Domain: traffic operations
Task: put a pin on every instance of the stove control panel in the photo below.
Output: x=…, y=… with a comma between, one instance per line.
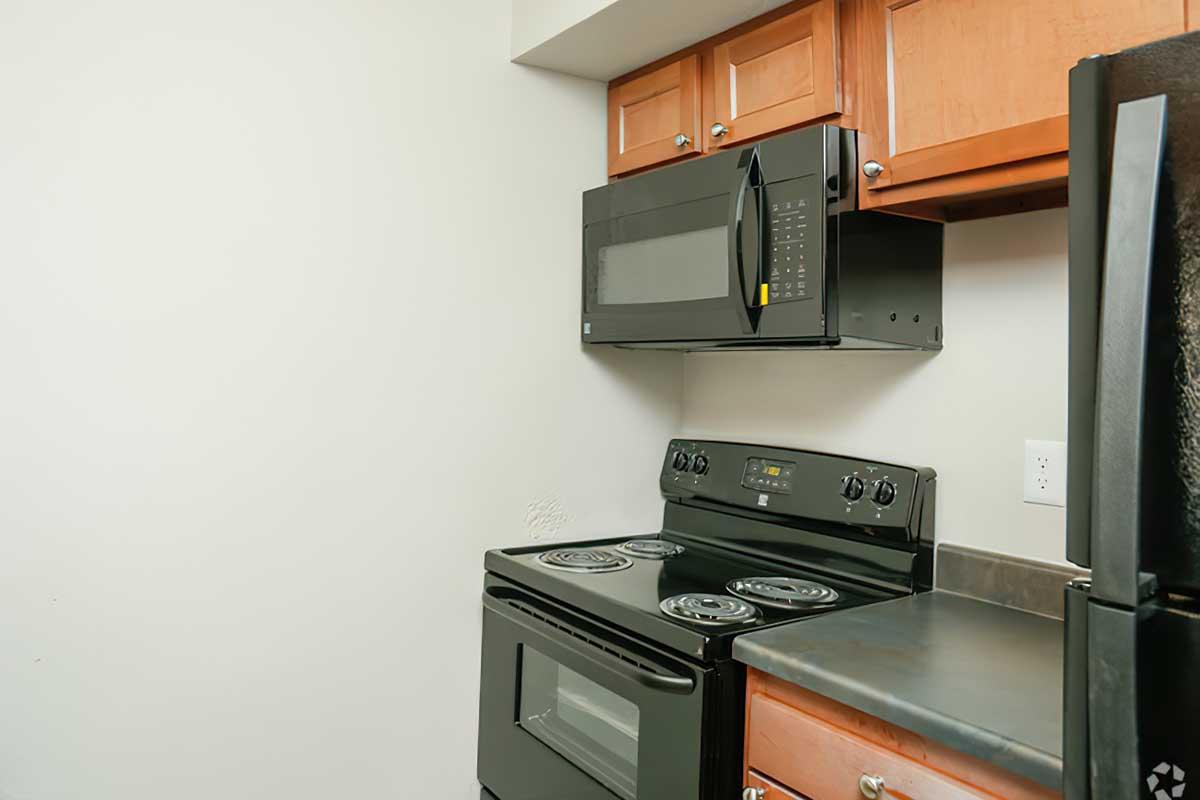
x=687, y=465
x=769, y=476
x=878, y=499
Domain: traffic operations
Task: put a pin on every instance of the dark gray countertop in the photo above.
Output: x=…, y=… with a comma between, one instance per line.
x=981, y=678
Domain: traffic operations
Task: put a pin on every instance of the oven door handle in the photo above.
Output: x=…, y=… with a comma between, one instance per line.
x=673, y=684
x=744, y=306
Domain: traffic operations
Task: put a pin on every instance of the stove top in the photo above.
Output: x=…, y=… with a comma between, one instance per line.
x=587, y=560
x=708, y=609
x=792, y=593
x=650, y=548
x=662, y=598
x=752, y=537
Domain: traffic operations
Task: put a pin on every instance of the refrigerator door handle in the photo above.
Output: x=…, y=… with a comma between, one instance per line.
x=1088, y=201
x=1120, y=394
x=1076, y=763
x=1114, y=766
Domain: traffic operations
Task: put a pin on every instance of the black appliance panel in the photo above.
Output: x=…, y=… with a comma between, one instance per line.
x=590, y=715
x=1130, y=704
x=888, y=282
x=789, y=281
x=887, y=500
x=1133, y=633
x=1169, y=530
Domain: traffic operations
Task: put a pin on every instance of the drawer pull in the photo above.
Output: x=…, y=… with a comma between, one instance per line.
x=872, y=787
x=753, y=793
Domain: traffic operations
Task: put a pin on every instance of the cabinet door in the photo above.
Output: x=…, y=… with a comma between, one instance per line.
x=966, y=96
x=782, y=74
x=654, y=118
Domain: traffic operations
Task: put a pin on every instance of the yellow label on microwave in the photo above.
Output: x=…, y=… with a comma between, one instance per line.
x=764, y=295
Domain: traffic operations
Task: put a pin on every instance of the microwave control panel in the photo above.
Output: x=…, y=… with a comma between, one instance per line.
x=794, y=216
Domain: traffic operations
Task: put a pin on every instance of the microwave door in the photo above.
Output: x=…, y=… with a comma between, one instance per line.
x=684, y=272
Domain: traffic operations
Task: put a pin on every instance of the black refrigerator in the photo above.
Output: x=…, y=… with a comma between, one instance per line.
x=1132, y=673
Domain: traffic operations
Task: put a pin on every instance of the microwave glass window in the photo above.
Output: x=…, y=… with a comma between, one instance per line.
x=593, y=728
x=667, y=269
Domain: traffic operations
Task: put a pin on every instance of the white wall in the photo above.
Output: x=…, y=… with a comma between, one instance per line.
x=965, y=412
x=288, y=338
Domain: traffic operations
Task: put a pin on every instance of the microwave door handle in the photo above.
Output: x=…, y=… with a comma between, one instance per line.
x=737, y=270
x=672, y=684
x=1124, y=335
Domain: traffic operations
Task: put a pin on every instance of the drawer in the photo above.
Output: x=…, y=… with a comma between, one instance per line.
x=825, y=762
x=770, y=789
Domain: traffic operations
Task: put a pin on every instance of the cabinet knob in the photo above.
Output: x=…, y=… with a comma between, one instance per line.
x=871, y=787
x=753, y=793
x=682, y=140
x=718, y=130
x=872, y=169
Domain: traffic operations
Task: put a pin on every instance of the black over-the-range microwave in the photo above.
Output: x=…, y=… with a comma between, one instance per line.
x=759, y=247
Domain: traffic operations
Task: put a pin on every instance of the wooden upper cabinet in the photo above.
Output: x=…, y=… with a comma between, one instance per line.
x=965, y=97
x=961, y=104
x=776, y=76
x=655, y=118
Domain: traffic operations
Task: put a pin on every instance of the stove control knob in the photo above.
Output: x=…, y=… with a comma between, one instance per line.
x=680, y=460
x=852, y=487
x=884, y=493
x=700, y=465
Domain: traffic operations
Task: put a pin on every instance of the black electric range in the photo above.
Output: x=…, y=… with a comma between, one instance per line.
x=607, y=669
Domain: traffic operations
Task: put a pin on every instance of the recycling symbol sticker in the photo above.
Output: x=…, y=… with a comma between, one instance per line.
x=1166, y=782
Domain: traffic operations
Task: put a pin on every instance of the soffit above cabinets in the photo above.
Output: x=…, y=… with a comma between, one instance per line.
x=601, y=39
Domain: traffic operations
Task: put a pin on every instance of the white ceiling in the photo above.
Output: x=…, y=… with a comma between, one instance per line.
x=601, y=39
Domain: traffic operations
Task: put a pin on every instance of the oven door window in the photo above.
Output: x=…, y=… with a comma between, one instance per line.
x=590, y=726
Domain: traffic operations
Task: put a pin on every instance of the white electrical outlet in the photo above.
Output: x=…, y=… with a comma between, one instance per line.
x=1045, y=472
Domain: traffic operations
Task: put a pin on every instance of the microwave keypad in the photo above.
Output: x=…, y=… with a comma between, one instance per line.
x=791, y=238
x=768, y=476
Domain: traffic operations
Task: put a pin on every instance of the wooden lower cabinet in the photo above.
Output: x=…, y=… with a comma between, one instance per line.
x=802, y=745
x=770, y=789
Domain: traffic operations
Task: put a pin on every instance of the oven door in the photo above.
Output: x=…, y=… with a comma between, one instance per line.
x=570, y=709
x=685, y=271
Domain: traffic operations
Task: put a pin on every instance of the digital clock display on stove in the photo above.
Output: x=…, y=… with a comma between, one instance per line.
x=764, y=475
